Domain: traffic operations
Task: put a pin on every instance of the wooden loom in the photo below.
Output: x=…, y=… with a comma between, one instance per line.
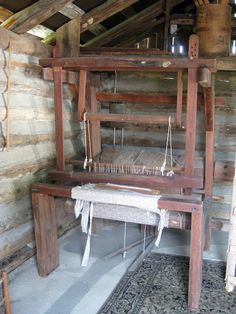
x=43, y=194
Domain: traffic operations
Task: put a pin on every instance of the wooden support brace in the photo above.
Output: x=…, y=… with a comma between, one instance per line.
x=58, y=98
x=191, y=119
x=179, y=98
x=95, y=125
x=82, y=94
x=209, y=122
x=5, y=292
x=45, y=227
x=68, y=38
x=195, y=263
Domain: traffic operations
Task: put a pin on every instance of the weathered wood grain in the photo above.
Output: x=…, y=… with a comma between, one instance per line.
x=33, y=15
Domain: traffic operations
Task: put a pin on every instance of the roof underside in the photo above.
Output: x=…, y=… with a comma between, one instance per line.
x=116, y=14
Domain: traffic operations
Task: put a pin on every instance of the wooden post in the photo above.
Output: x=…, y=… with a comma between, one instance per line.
x=209, y=104
x=95, y=125
x=167, y=25
x=59, y=127
x=68, y=38
x=82, y=94
x=195, y=263
x=45, y=226
x=179, y=98
x=5, y=292
x=191, y=118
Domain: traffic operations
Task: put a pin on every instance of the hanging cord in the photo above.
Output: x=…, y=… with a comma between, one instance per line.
x=168, y=143
x=124, y=242
x=144, y=238
x=115, y=82
x=89, y=142
x=85, y=141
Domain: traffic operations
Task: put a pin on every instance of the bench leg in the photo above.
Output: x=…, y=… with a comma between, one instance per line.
x=45, y=226
x=195, y=263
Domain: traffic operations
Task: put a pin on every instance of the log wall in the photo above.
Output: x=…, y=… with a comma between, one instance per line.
x=32, y=147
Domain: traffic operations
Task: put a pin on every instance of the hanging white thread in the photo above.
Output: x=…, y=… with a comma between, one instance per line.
x=163, y=223
x=124, y=243
x=89, y=142
x=85, y=141
x=168, y=143
x=144, y=238
x=115, y=83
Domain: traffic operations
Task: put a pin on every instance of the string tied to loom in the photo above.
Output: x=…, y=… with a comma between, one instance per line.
x=85, y=140
x=86, y=127
x=168, y=144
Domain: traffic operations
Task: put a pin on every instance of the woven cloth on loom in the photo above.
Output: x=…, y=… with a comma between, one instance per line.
x=117, y=195
x=89, y=194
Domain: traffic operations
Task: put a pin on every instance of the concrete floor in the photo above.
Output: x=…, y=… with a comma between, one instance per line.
x=82, y=290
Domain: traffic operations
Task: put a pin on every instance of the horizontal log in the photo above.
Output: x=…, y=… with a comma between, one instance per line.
x=21, y=44
x=15, y=213
x=129, y=118
x=107, y=63
x=153, y=182
x=14, y=239
x=67, y=76
x=226, y=64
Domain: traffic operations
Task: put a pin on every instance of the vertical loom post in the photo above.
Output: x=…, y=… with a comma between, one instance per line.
x=82, y=94
x=179, y=98
x=191, y=119
x=195, y=262
x=5, y=292
x=59, y=127
x=209, y=104
x=45, y=226
x=95, y=125
x=209, y=121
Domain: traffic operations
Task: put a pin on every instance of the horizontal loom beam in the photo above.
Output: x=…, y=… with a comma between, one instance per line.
x=127, y=179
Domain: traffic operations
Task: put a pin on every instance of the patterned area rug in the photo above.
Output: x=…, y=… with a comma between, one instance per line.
x=159, y=285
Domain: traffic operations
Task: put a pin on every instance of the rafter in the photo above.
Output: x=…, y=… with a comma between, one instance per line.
x=38, y=31
x=26, y=19
x=72, y=11
x=112, y=35
x=137, y=36
x=99, y=14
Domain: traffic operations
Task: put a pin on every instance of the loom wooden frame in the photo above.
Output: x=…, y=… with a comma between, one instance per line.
x=43, y=194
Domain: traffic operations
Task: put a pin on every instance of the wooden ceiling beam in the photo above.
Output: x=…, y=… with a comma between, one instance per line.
x=137, y=37
x=38, y=31
x=103, y=12
x=92, y=18
x=26, y=19
x=4, y=14
x=72, y=11
x=130, y=24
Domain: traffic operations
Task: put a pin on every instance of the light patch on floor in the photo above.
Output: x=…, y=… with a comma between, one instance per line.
x=72, y=289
